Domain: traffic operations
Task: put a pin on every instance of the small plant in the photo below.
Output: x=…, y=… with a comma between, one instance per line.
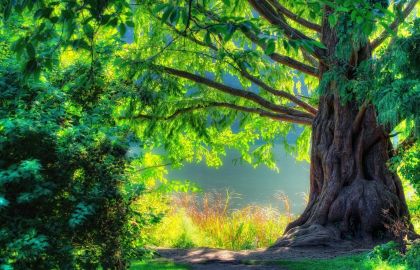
x=398, y=227
x=387, y=252
x=391, y=254
x=412, y=257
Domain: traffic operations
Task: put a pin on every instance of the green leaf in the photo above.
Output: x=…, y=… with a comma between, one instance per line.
x=367, y=28
x=353, y=15
x=129, y=23
x=207, y=38
x=80, y=44
x=319, y=44
x=387, y=28
x=173, y=19
x=32, y=67
x=229, y=32
x=286, y=46
x=342, y=9
x=43, y=12
x=307, y=46
x=19, y=45
x=88, y=30
x=167, y=12
x=312, y=14
x=113, y=22
x=160, y=7
x=332, y=20
x=271, y=46
x=30, y=50
x=122, y=29
x=218, y=29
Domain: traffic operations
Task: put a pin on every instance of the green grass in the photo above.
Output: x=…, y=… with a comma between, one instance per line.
x=154, y=265
x=356, y=262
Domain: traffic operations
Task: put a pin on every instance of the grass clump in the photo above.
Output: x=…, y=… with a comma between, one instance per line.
x=155, y=265
x=357, y=262
x=207, y=220
x=382, y=257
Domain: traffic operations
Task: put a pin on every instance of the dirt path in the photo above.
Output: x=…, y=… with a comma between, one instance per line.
x=214, y=259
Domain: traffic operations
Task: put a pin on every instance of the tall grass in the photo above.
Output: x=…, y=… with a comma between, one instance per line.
x=208, y=220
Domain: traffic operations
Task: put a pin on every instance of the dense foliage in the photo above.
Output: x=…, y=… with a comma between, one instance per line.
x=66, y=180
x=222, y=42
x=60, y=181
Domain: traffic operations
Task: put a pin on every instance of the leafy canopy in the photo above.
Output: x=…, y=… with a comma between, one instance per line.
x=209, y=75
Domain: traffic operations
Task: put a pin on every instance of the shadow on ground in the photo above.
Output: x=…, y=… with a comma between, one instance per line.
x=264, y=259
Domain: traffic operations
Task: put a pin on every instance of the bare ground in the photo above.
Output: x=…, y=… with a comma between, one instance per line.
x=261, y=259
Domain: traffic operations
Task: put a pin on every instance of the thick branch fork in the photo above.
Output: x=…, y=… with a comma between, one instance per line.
x=282, y=59
x=266, y=10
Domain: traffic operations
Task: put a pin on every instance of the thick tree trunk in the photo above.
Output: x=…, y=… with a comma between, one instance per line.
x=353, y=195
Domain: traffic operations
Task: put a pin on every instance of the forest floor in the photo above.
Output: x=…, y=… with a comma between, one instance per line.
x=264, y=259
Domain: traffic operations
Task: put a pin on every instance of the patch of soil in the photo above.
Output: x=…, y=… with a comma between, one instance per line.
x=213, y=259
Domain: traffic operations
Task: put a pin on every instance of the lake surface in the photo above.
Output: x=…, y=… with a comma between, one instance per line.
x=255, y=185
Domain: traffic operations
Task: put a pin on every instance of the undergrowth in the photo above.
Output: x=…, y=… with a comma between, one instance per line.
x=382, y=257
x=208, y=220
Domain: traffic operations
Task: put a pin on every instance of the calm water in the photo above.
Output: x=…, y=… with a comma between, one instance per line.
x=257, y=185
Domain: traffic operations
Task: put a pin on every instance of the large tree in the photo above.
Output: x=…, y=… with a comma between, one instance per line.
x=358, y=60
x=342, y=53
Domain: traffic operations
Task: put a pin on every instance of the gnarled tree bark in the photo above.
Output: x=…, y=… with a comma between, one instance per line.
x=353, y=194
x=350, y=184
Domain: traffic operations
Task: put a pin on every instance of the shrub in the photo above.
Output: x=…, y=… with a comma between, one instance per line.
x=62, y=174
x=389, y=253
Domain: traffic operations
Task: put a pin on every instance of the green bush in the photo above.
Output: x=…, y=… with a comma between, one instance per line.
x=62, y=175
x=389, y=253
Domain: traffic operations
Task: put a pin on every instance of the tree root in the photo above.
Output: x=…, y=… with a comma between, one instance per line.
x=314, y=235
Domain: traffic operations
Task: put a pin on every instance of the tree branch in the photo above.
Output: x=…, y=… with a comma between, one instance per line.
x=282, y=59
x=312, y=60
x=289, y=14
x=235, y=92
x=265, y=9
x=405, y=145
x=260, y=112
x=155, y=166
x=255, y=80
x=184, y=34
x=279, y=93
x=394, y=25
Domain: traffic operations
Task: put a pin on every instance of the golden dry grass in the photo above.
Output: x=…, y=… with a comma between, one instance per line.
x=208, y=220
